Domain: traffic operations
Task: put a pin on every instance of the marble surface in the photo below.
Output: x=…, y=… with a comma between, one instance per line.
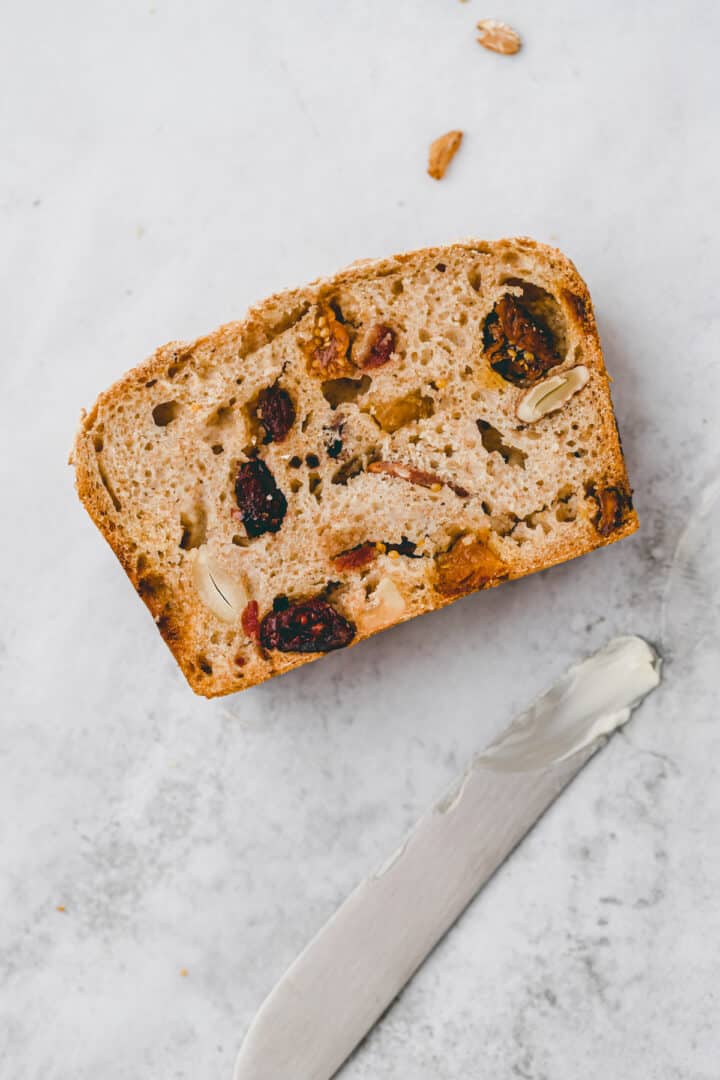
x=163, y=859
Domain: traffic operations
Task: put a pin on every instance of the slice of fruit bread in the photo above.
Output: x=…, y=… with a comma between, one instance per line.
x=357, y=452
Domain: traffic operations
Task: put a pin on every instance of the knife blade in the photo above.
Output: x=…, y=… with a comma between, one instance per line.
x=360, y=960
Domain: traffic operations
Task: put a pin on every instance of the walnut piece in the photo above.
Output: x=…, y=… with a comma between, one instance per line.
x=416, y=476
x=499, y=37
x=441, y=153
x=469, y=565
x=327, y=352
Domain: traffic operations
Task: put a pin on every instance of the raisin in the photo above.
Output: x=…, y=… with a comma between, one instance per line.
x=250, y=619
x=381, y=346
x=614, y=505
x=306, y=627
x=519, y=346
x=261, y=502
x=276, y=412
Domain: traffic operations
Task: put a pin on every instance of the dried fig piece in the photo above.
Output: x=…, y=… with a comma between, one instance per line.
x=307, y=626
x=327, y=352
x=416, y=476
x=356, y=557
x=276, y=413
x=261, y=503
x=469, y=565
x=614, y=506
x=378, y=347
x=518, y=345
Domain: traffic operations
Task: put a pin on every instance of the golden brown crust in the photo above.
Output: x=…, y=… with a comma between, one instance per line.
x=262, y=323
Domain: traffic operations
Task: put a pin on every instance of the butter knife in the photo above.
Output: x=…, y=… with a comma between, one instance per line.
x=360, y=960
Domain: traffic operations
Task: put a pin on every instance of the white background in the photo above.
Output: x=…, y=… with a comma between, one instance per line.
x=163, y=166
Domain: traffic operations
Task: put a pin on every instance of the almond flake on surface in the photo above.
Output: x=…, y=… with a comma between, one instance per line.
x=498, y=37
x=442, y=151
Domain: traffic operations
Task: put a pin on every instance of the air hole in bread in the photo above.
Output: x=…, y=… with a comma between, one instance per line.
x=346, y=472
x=475, y=279
x=194, y=527
x=397, y=287
x=295, y=486
x=222, y=417
x=340, y=391
x=164, y=413
x=204, y=665
x=492, y=440
x=98, y=443
x=217, y=448
x=240, y=541
x=566, y=512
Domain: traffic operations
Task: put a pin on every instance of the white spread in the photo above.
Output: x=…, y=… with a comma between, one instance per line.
x=589, y=702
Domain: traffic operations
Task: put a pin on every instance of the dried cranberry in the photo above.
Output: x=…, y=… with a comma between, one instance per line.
x=262, y=503
x=250, y=619
x=306, y=627
x=276, y=412
x=382, y=346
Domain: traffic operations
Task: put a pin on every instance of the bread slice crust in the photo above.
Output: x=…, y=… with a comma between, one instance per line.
x=407, y=476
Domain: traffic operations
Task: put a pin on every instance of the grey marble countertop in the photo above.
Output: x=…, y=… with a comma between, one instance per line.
x=163, y=859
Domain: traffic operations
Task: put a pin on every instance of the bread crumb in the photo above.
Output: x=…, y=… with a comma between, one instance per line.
x=60, y=907
x=499, y=37
x=183, y=972
x=442, y=151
